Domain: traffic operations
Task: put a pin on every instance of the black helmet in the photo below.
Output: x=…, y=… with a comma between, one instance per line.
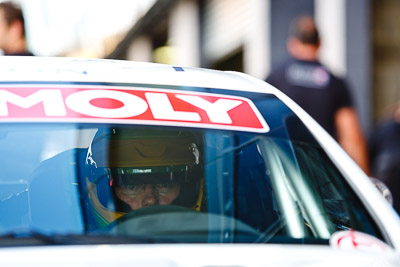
x=131, y=156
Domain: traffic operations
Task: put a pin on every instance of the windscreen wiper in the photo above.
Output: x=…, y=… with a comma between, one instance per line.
x=25, y=238
x=35, y=238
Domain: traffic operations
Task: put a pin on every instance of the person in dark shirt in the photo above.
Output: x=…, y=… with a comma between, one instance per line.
x=384, y=153
x=320, y=93
x=12, y=30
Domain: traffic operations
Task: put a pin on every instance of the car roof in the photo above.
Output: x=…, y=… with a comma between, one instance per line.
x=57, y=69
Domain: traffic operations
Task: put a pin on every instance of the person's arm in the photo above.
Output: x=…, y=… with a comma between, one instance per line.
x=351, y=138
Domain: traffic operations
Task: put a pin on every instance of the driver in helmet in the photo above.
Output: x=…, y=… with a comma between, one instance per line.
x=141, y=168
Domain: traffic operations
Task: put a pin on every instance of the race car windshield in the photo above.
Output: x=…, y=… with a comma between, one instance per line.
x=176, y=184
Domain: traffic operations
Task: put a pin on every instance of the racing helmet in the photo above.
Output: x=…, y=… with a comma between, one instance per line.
x=129, y=156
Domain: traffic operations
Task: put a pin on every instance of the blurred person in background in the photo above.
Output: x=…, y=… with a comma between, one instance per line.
x=384, y=152
x=12, y=30
x=323, y=95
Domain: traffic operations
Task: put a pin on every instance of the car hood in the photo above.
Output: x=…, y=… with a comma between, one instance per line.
x=195, y=255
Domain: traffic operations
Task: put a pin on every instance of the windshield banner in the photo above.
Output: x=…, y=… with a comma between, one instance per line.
x=130, y=106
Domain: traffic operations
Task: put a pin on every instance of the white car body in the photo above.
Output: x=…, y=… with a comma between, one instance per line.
x=41, y=73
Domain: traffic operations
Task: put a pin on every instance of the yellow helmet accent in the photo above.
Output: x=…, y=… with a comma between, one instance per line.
x=105, y=216
x=146, y=150
x=197, y=206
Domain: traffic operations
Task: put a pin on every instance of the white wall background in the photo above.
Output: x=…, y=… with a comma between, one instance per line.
x=57, y=26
